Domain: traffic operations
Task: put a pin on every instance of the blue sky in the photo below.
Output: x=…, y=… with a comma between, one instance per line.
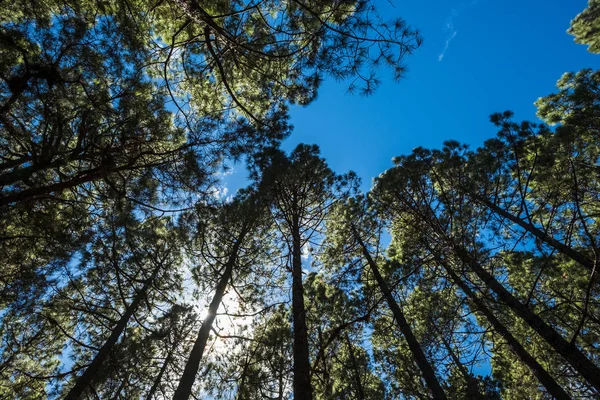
x=501, y=55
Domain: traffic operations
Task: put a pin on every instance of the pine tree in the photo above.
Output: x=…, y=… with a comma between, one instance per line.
x=301, y=188
x=585, y=27
x=227, y=242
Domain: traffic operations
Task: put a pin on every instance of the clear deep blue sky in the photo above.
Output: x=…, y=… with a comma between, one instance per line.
x=502, y=55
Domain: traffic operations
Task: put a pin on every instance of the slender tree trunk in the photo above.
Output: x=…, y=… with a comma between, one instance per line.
x=28, y=194
x=415, y=347
x=184, y=389
x=23, y=174
x=244, y=375
x=538, y=233
x=120, y=388
x=280, y=381
x=553, y=388
x=360, y=393
x=161, y=373
x=472, y=386
x=580, y=363
x=326, y=375
x=87, y=378
x=242, y=384
x=302, y=386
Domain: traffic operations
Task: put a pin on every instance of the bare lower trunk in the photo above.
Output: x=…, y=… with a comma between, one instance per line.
x=360, y=393
x=413, y=344
x=541, y=235
x=87, y=378
x=302, y=386
x=160, y=375
x=540, y=373
x=184, y=389
x=569, y=351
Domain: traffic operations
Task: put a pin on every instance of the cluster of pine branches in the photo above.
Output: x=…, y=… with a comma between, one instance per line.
x=125, y=274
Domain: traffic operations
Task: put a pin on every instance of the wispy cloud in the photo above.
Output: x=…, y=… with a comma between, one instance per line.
x=443, y=53
x=451, y=33
x=449, y=26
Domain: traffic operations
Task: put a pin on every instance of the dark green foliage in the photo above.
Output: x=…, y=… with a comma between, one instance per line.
x=127, y=274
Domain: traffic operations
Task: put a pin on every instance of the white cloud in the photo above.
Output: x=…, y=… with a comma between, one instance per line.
x=219, y=192
x=452, y=32
x=305, y=251
x=443, y=53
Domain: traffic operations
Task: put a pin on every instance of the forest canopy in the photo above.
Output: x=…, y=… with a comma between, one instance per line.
x=126, y=273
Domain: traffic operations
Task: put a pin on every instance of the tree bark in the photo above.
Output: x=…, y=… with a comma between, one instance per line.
x=415, y=347
x=540, y=373
x=302, y=385
x=244, y=374
x=23, y=174
x=28, y=194
x=472, y=385
x=580, y=363
x=538, y=233
x=184, y=389
x=106, y=168
x=161, y=373
x=360, y=393
x=87, y=378
x=326, y=376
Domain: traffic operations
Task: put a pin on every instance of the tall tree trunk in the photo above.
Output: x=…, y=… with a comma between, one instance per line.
x=472, y=385
x=302, y=386
x=161, y=373
x=244, y=374
x=23, y=174
x=326, y=376
x=540, y=373
x=87, y=378
x=413, y=344
x=569, y=351
x=242, y=384
x=538, y=233
x=280, y=381
x=28, y=194
x=184, y=389
x=120, y=388
x=360, y=395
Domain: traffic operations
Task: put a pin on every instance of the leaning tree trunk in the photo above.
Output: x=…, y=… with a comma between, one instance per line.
x=473, y=391
x=28, y=194
x=87, y=378
x=415, y=347
x=184, y=389
x=244, y=375
x=538, y=233
x=569, y=351
x=302, y=386
x=536, y=368
x=326, y=375
x=161, y=373
x=360, y=393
